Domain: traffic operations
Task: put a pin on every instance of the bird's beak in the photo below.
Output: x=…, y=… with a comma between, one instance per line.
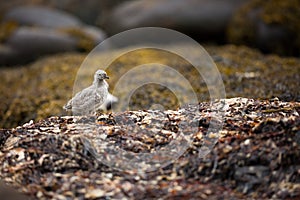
x=106, y=77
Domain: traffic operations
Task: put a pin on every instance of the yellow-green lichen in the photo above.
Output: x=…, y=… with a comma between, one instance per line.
x=84, y=41
x=41, y=89
x=6, y=29
x=284, y=14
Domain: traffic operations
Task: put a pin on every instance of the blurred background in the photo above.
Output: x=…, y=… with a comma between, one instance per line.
x=255, y=43
x=72, y=25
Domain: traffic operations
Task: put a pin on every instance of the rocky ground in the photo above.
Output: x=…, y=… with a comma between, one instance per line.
x=162, y=146
x=257, y=154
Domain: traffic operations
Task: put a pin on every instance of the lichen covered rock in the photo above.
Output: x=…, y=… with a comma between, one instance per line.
x=41, y=89
x=28, y=32
x=272, y=26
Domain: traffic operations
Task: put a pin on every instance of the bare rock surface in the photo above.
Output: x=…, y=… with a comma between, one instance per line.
x=41, y=16
x=257, y=154
x=205, y=19
x=33, y=42
x=29, y=32
x=88, y=11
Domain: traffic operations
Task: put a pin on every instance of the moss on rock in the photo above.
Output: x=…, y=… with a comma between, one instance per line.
x=271, y=25
x=41, y=89
x=6, y=29
x=38, y=90
x=84, y=41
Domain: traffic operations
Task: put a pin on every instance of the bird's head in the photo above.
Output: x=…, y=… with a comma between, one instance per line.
x=100, y=75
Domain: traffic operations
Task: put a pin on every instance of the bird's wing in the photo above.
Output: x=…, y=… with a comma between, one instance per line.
x=83, y=96
x=80, y=98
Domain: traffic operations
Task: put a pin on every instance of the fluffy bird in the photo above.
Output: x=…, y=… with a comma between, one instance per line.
x=91, y=98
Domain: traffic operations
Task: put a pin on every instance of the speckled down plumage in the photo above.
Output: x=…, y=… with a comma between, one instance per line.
x=91, y=98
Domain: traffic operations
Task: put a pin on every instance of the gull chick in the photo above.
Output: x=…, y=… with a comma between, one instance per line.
x=90, y=98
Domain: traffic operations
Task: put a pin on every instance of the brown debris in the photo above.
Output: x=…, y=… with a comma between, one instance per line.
x=257, y=154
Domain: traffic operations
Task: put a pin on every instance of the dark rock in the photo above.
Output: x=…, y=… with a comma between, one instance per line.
x=7, y=192
x=8, y=56
x=272, y=26
x=205, y=18
x=88, y=11
x=41, y=16
x=43, y=31
x=34, y=42
x=25, y=44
